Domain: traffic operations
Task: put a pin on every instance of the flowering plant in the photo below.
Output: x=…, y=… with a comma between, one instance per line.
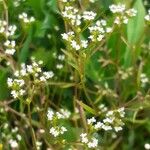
x=74, y=75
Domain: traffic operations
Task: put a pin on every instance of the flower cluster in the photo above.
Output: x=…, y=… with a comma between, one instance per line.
x=74, y=17
x=28, y=73
x=8, y=31
x=57, y=130
x=75, y=45
x=113, y=120
x=11, y=135
x=98, y=31
x=24, y=17
x=90, y=143
x=122, y=14
x=10, y=47
x=71, y=15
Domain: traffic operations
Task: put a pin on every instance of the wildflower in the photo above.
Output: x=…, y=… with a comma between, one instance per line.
x=56, y=131
x=117, y=8
x=88, y=15
x=93, y=143
x=24, y=17
x=50, y=114
x=84, y=138
x=13, y=143
x=98, y=125
x=147, y=146
x=91, y=120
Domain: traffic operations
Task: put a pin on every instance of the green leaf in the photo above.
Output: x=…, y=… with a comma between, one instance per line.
x=87, y=108
x=25, y=49
x=135, y=30
x=93, y=69
x=3, y=85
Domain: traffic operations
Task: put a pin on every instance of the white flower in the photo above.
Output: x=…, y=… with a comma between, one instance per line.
x=93, y=143
x=120, y=8
x=106, y=127
x=84, y=138
x=147, y=146
x=118, y=129
x=24, y=17
x=88, y=15
x=54, y=132
x=108, y=120
x=65, y=113
x=131, y=12
x=14, y=94
x=48, y=75
x=13, y=143
x=98, y=125
x=50, y=114
x=10, y=51
x=91, y=120
x=62, y=130
x=75, y=45
x=59, y=115
x=10, y=82
x=84, y=43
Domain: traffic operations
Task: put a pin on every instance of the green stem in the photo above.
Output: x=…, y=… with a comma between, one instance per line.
x=31, y=128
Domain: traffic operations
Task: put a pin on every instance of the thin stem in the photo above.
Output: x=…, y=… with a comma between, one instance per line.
x=32, y=130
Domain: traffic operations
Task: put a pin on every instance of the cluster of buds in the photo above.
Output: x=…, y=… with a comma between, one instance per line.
x=122, y=13
x=56, y=129
x=24, y=17
x=28, y=73
x=124, y=74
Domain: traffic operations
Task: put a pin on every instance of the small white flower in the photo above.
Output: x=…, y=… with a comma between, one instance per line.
x=75, y=45
x=84, y=138
x=98, y=125
x=120, y=8
x=93, y=143
x=88, y=15
x=13, y=143
x=84, y=43
x=147, y=146
x=118, y=129
x=54, y=132
x=50, y=114
x=91, y=120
